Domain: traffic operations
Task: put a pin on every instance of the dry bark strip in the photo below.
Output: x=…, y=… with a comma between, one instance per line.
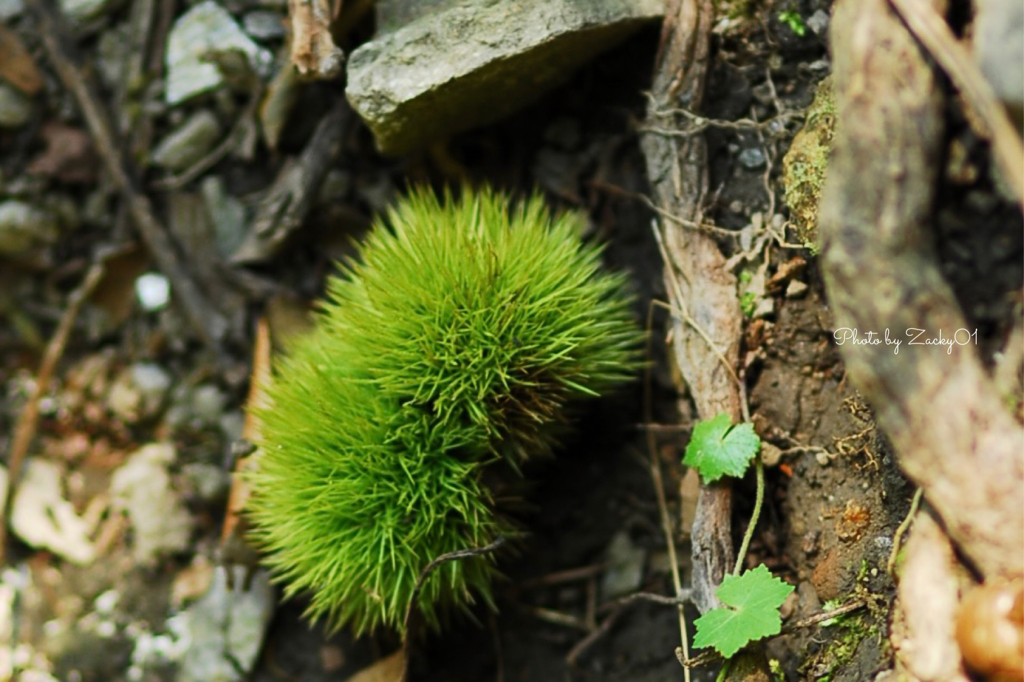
x=924, y=625
x=702, y=290
x=954, y=436
x=1007, y=148
x=28, y=418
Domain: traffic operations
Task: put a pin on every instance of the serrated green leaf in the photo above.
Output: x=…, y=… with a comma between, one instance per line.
x=717, y=448
x=751, y=612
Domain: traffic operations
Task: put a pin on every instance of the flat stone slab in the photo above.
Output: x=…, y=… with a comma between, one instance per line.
x=477, y=61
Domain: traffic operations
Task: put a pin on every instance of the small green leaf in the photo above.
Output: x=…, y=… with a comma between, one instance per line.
x=794, y=21
x=717, y=448
x=751, y=612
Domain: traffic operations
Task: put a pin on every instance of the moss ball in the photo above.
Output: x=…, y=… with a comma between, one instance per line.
x=463, y=332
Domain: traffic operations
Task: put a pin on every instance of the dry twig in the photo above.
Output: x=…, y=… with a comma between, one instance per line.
x=208, y=322
x=28, y=419
x=410, y=612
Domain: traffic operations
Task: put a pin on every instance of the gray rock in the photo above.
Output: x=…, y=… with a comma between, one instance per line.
x=625, y=567
x=796, y=289
x=24, y=227
x=15, y=107
x=474, y=63
x=190, y=142
x=752, y=158
x=263, y=24
x=818, y=22
x=208, y=403
x=79, y=11
x=226, y=213
x=222, y=633
x=11, y=8
x=141, y=487
x=138, y=392
x=204, y=28
x=999, y=50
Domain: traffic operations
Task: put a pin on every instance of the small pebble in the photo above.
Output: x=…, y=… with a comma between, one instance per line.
x=227, y=213
x=189, y=143
x=206, y=26
x=819, y=66
x=15, y=107
x=79, y=11
x=818, y=22
x=153, y=290
x=823, y=458
x=796, y=289
x=106, y=602
x=263, y=25
x=24, y=227
x=752, y=158
x=207, y=404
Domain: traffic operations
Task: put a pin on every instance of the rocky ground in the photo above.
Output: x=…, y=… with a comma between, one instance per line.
x=249, y=183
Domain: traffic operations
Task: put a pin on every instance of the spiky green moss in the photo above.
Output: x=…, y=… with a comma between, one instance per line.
x=463, y=332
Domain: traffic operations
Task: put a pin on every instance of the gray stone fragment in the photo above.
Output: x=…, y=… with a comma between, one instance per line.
x=476, y=62
x=24, y=227
x=138, y=392
x=222, y=632
x=818, y=22
x=625, y=567
x=263, y=24
x=752, y=158
x=15, y=107
x=204, y=28
x=11, y=8
x=190, y=142
x=227, y=214
x=79, y=11
x=142, y=488
x=796, y=289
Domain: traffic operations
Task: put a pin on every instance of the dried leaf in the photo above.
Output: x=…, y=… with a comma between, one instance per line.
x=16, y=64
x=233, y=530
x=388, y=669
x=68, y=157
x=115, y=294
x=314, y=53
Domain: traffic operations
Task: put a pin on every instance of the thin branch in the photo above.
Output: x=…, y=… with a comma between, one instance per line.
x=589, y=640
x=457, y=555
x=683, y=598
x=897, y=537
x=659, y=491
x=208, y=322
x=28, y=419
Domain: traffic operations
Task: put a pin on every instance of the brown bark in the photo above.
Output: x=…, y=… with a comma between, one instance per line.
x=924, y=631
x=943, y=413
x=701, y=288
